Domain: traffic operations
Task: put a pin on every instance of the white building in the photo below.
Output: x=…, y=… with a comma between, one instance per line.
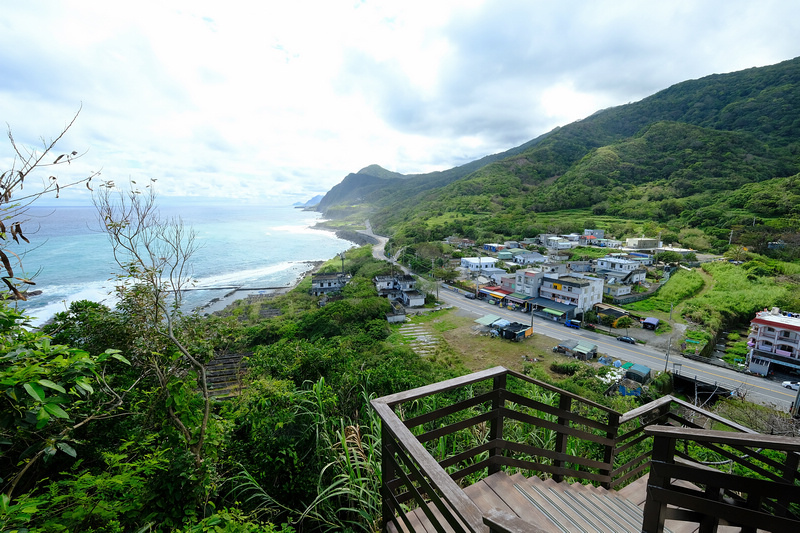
x=619, y=270
x=529, y=258
x=558, y=243
x=474, y=264
x=774, y=339
x=642, y=243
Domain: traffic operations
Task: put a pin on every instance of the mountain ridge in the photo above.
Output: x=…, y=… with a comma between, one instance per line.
x=684, y=149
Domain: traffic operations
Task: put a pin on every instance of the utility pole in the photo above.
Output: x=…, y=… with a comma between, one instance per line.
x=666, y=361
x=669, y=344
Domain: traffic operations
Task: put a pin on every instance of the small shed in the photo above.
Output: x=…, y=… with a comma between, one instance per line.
x=585, y=350
x=638, y=373
x=487, y=320
x=650, y=323
x=516, y=331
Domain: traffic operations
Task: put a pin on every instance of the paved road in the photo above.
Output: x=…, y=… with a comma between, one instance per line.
x=758, y=389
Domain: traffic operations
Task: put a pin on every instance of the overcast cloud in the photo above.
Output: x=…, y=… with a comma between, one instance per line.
x=278, y=101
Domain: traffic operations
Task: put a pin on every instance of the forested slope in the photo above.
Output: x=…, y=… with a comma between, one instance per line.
x=679, y=157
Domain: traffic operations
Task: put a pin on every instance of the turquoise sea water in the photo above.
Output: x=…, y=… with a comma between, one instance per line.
x=247, y=246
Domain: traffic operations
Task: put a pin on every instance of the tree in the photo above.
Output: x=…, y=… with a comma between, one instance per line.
x=49, y=392
x=668, y=257
x=624, y=322
x=154, y=256
x=14, y=203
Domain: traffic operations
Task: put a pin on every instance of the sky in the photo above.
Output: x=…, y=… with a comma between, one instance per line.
x=276, y=102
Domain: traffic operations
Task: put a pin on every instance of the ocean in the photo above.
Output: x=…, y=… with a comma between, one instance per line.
x=253, y=247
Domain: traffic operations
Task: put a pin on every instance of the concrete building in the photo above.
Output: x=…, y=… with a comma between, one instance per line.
x=579, y=291
x=528, y=282
x=642, y=243
x=774, y=340
x=327, y=283
x=617, y=270
x=529, y=258
x=596, y=233
x=474, y=264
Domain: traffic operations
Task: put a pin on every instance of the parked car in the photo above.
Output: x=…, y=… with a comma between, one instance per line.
x=625, y=338
x=469, y=296
x=573, y=324
x=794, y=385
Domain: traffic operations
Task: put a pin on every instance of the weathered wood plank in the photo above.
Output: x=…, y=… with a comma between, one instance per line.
x=504, y=488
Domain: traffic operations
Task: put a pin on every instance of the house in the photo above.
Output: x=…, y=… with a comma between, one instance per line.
x=554, y=268
x=596, y=233
x=327, y=283
x=401, y=287
x=614, y=290
x=579, y=266
x=405, y=282
x=642, y=243
x=529, y=258
x=562, y=297
x=619, y=270
x=508, y=282
x=576, y=290
x=580, y=349
x=494, y=294
x=496, y=274
x=510, y=253
x=527, y=282
x=383, y=283
x=558, y=243
x=505, y=255
x=475, y=264
x=774, y=340
x=493, y=247
x=412, y=298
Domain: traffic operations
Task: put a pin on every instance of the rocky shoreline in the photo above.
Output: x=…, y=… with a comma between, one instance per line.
x=218, y=305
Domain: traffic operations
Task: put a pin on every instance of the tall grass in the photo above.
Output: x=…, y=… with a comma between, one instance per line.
x=681, y=286
x=734, y=298
x=348, y=489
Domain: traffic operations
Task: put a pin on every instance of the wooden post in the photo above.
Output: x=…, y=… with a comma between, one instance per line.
x=387, y=474
x=496, y=426
x=610, y=451
x=564, y=404
x=654, y=510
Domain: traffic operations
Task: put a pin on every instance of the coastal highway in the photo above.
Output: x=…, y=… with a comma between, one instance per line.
x=757, y=389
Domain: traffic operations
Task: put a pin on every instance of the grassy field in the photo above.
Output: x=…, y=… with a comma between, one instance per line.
x=478, y=352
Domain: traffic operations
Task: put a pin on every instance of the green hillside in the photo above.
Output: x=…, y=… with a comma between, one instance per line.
x=701, y=154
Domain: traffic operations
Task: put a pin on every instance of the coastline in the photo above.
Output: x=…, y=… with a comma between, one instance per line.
x=218, y=305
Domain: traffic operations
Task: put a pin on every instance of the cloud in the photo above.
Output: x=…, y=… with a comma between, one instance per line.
x=279, y=101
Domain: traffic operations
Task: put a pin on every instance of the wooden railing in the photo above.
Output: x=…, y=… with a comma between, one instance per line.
x=442, y=437
x=756, y=488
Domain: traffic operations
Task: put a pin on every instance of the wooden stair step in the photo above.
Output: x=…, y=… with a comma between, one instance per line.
x=505, y=489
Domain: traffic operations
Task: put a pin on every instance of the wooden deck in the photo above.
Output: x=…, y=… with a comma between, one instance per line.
x=758, y=488
x=545, y=506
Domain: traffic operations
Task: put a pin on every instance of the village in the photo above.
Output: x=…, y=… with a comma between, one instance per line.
x=537, y=277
